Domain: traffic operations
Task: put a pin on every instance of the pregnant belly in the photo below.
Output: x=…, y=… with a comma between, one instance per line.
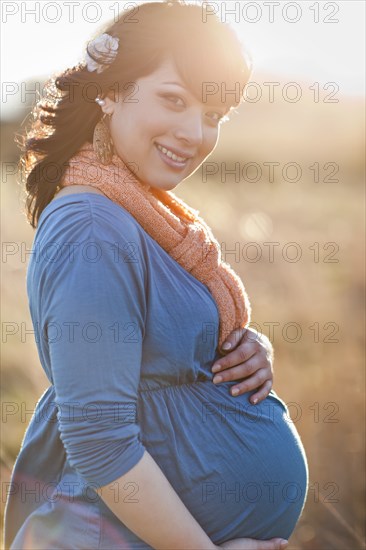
x=239, y=468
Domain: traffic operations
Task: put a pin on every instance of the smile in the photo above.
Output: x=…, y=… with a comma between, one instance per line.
x=171, y=155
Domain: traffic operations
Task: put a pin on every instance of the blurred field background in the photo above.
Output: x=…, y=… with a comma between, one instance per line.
x=320, y=376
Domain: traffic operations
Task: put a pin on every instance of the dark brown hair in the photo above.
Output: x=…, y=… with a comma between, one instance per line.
x=204, y=50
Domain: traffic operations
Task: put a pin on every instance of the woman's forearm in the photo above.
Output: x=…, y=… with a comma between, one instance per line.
x=158, y=516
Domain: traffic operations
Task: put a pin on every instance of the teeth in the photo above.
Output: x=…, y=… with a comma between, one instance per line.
x=170, y=154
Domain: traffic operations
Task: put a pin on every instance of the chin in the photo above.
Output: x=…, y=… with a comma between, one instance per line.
x=169, y=186
x=164, y=187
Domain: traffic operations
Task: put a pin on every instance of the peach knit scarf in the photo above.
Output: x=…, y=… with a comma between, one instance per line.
x=175, y=226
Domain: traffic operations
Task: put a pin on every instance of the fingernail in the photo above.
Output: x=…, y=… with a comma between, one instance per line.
x=255, y=401
x=217, y=379
x=283, y=544
x=226, y=345
x=235, y=391
x=216, y=368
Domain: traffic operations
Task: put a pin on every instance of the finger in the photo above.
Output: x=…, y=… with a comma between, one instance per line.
x=263, y=343
x=255, y=544
x=262, y=393
x=240, y=335
x=272, y=544
x=276, y=544
x=233, y=339
x=243, y=370
x=250, y=383
x=241, y=354
x=280, y=544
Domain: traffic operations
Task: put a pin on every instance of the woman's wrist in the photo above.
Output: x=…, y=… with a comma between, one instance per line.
x=158, y=517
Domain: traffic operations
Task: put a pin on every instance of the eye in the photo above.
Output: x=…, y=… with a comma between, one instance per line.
x=175, y=99
x=216, y=117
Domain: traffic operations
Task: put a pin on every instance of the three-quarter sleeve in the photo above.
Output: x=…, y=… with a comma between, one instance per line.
x=94, y=310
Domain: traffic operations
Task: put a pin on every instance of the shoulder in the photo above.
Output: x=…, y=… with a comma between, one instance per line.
x=87, y=216
x=87, y=228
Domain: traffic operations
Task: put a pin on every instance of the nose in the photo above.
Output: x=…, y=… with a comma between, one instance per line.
x=190, y=128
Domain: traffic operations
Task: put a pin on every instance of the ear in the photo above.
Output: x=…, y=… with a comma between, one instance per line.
x=109, y=105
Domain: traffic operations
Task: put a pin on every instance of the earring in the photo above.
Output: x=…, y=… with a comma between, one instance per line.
x=102, y=142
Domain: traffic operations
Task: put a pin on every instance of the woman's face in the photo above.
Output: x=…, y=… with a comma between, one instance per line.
x=161, y=129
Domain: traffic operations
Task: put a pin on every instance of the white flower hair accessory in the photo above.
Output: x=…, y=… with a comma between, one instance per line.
x=101, y=52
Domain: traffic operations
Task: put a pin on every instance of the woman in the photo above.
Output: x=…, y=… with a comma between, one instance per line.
x=132, y=445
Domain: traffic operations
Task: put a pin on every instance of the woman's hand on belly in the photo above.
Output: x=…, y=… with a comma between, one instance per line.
x=254, y=544
x=250, y=357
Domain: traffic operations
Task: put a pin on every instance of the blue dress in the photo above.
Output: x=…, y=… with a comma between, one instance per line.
x=127, y=338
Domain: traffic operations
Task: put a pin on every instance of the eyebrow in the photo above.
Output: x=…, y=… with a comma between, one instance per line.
x=176, y=84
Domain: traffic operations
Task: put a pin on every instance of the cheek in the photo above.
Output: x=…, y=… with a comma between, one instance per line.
x=210, y=141
x=118, y=130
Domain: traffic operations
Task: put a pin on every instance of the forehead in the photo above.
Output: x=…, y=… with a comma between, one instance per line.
x=166, y=72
